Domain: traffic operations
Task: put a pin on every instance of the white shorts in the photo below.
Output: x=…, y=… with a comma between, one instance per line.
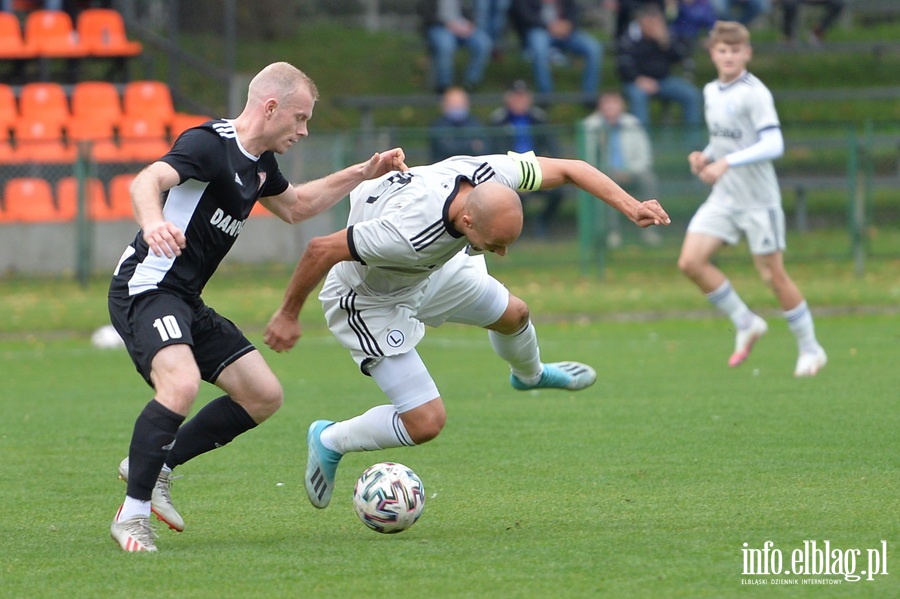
x=373, y=327
x=763, y=227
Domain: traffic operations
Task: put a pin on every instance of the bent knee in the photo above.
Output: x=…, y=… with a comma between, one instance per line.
x=425, y=425
x=514, y=318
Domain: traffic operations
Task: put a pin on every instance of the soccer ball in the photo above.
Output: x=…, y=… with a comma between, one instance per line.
x=389, y=497
x=106, y=337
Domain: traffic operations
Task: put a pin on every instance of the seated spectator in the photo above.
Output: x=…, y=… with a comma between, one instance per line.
x=625, y=11
x=523, y=127
x=617, y=144
x=456, y=132
x=491, y=16
x=747, y=10
x=646, y=56
x=791, y=10
x=694, y=19
x=548, y=25
x=448, y=25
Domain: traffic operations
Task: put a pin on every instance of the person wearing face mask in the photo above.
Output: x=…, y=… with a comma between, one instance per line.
x=456, y=132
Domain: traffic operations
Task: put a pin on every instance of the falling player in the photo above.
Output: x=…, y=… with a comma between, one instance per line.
x=400, y=265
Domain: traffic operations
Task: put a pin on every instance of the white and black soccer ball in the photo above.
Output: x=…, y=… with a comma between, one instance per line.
x=389, y=497
x=106, y=337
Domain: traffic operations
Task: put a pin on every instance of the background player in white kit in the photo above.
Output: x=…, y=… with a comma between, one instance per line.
x=745, y=136
x=403, y=263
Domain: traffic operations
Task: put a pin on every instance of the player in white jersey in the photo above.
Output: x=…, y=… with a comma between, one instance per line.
x=410, y=257
x=745, y=136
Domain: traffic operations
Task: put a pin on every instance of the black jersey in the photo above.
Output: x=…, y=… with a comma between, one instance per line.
x=219, y=184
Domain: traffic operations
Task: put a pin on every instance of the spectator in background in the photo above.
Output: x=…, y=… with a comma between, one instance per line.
x=545, y=25
x=491, y=16
x=646, y=56
x=693, y=20
x=456, y=132
x=448, y=25
x=625, y=11
x=747, y=10
x=791, y=8
x=617, y=144
x=523, y=128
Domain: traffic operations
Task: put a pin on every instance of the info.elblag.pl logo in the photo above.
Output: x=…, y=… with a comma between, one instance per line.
x=825, y=563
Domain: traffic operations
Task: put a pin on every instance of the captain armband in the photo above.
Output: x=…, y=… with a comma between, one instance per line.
x=530, y=170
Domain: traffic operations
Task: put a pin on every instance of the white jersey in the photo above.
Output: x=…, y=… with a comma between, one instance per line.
x=735, y=115
x=399, y=228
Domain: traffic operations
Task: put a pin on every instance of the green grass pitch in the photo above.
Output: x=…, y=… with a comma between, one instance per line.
x=648, y=484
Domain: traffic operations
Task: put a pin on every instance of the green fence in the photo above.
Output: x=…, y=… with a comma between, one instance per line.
x=840, y=181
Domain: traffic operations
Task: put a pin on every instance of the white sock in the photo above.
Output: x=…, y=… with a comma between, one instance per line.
x=800, y=321
x=726, y=299
x=521, y=351
x=379, y=428
x=133, y=507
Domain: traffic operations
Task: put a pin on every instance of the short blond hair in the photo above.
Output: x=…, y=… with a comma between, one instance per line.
x=729, y=32
x=279, y=80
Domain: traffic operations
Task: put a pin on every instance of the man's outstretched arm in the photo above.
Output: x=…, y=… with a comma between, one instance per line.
x=561, y=171
x=320, y=255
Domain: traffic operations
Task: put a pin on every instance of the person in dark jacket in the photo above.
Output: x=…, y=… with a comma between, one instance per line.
x=646, y=56
x=456, y=132
x=522, y=128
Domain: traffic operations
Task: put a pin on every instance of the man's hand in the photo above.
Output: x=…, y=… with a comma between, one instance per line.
x=282, y=332
x=385, y=162
x=713, y=171
x=164, y=238
x=650, y=213
x=697, y=160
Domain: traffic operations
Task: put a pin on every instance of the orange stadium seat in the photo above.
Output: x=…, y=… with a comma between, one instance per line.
x=12, y=44
x=120, y=196
x=100, y=136
x=102, y=31
x=41, y=141
x=9, y=108
x=7, y=153
x=148, y=99
x=182, y=121
x=29, y=200
x=142, y=139
x=67, y=199
x=96, y=101
x=44, y=101
x=52, y=34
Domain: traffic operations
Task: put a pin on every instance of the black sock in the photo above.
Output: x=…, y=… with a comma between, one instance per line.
x=220, y=421
x=154, y=433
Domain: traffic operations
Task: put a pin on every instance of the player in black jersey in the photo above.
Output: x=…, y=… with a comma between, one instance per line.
x=191, y=205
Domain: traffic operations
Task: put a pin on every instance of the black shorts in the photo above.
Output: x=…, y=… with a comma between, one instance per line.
x=150, y=321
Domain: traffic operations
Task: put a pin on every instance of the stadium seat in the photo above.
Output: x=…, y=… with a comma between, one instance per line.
x=100, y=137
x=41, y=141
x=67, y=199
x=96, y=101
x=102, y=31
x=12, y=44
x=148, y=99
x=259, y=210
x=29, y=200
x=182, y=121
x=120, y=196
x=52, y=34
x=7, y=153
x=9, y=108
x=46, y=102
x=142, y=139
